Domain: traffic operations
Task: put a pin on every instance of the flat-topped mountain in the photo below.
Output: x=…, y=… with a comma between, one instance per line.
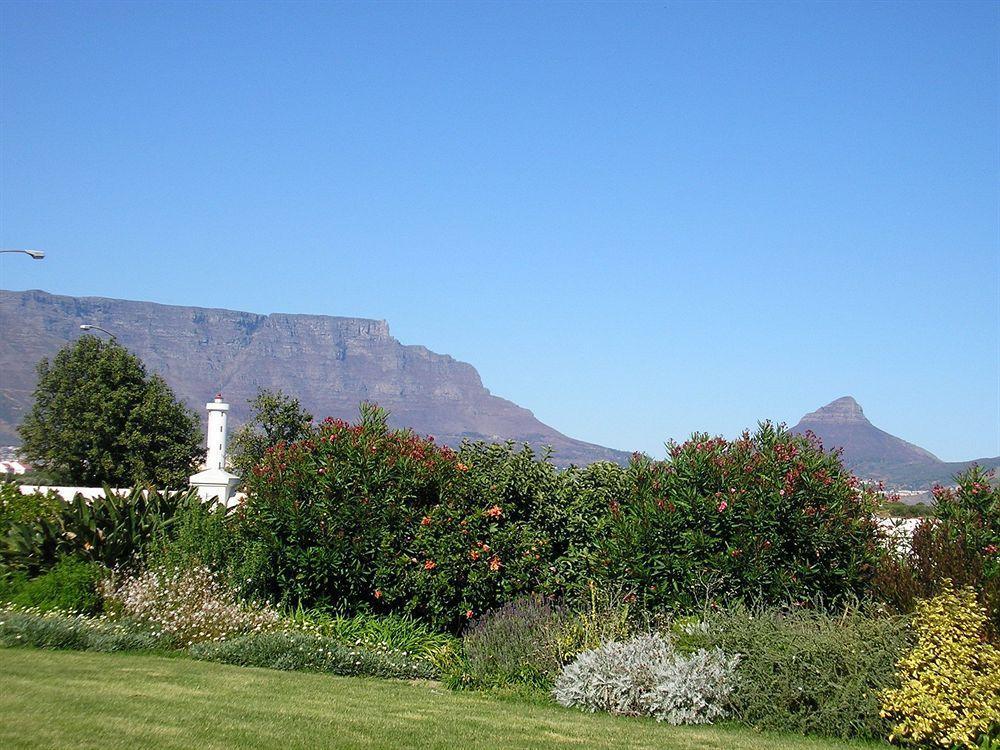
x=874, y=454
x=331, y=364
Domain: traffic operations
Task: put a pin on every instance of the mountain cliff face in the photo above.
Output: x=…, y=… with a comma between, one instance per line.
x=331, y=364
x=874, y=454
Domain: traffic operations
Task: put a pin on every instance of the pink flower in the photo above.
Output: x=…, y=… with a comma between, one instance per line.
x=991, y=549
x=723, y=505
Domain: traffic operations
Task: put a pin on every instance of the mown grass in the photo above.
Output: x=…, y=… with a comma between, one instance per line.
x=88, y=700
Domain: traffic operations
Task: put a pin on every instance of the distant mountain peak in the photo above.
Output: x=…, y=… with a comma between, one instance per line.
x=844, y=410
x=874, y=454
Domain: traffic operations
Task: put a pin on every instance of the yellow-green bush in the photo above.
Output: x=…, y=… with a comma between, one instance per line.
x=950, y=682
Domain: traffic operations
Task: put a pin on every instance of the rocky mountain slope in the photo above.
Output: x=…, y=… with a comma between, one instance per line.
x=331, y=364
x=874, y=454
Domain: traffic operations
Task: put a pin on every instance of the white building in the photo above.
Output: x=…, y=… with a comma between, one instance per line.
x=215, y=483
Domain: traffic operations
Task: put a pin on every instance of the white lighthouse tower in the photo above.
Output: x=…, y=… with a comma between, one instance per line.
x=215, y=483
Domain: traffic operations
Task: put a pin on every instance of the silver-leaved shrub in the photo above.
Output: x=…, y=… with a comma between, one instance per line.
x=646, y=676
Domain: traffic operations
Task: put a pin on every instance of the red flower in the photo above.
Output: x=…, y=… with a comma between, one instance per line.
x=425, y=521
x=991, y=549
x=430, y=565
x=469, y=614
x=378, y=593
x=722, y=506
x=495, y=512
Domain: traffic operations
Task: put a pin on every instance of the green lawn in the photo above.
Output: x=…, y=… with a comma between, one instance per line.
x=88, y=700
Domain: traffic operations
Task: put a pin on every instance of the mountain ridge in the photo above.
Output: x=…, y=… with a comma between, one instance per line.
x=330, y=363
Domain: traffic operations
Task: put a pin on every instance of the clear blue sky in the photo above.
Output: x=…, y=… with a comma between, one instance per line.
x=637, y=220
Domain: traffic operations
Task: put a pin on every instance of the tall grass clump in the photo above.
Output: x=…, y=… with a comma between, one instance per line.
x=806, y=670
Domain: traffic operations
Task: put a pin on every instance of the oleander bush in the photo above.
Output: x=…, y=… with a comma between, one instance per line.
x=187, y=605
x=71, y=585
x=766, y=518
x=949, y=694
x=805, y=669
x=960, y=547
x=331, y=513
x=646, y=676
x=361, y=518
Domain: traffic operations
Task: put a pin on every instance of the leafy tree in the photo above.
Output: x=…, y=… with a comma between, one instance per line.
x=99, y=418
x=276, y=418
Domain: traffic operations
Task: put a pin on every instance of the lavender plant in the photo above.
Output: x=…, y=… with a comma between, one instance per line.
x=516, y=644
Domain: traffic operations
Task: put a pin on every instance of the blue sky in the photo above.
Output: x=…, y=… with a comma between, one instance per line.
x=637, y=220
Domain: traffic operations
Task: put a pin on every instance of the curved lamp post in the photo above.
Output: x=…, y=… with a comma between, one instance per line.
x=89, y=327
x=36, y=254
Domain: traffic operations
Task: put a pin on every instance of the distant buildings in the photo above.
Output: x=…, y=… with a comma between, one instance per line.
x=10, y=462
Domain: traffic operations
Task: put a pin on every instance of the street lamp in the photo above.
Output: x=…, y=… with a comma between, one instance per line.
x=89, y=327
x=36, y=254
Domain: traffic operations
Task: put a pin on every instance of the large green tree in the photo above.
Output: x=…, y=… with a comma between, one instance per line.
x=99, y=418
x=275, y=418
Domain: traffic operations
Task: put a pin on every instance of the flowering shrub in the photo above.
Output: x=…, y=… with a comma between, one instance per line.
x=645, y=676
x=972, y=510
x=950, y=692
x=364, y=518
x=332, y=513
x=961, y=546
x=187, y=605
x=361, y=518
x=768, y=517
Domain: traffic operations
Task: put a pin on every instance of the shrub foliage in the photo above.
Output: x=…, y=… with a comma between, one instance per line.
x=645, y=676
x=364, y=518
x=769, y=517
x=805, y=670
x=950, y=691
